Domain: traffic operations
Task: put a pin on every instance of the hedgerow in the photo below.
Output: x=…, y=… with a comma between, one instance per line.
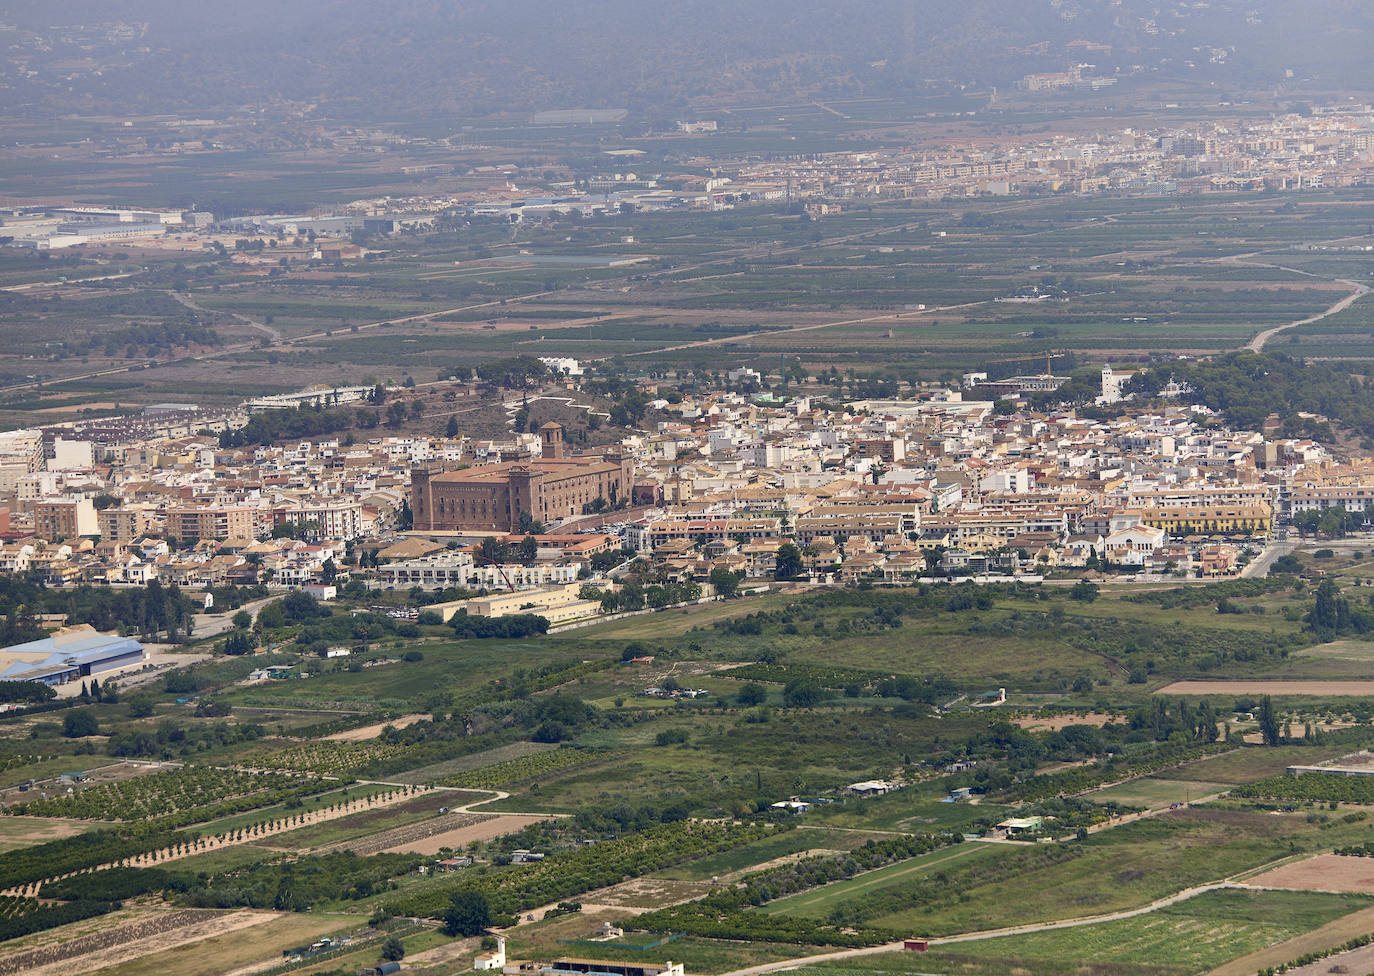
x=571, y=873
x=1190, y=597
x=94, y=847
x=521, y=768
x=51, y=916
x=1358, y=942
x=116, y=884
x=724, y=914
x=1318, y=787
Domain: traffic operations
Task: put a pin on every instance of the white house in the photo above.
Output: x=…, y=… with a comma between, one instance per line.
x=15, y=557
x=131, y=569
x=1134, y=545
x=562, y=365
x=492, y=960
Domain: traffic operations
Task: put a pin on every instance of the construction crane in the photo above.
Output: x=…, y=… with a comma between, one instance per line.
x=1049, y=359
x=477, y=554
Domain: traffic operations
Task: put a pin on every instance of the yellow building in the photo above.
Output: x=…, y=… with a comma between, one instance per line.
x=557, y=604
x=1252, y=520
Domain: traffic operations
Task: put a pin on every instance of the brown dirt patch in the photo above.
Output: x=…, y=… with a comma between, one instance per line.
x=1327, y=689
x=456, y=839
x=457, y=953
x=647, y=893
x=77, y=407
x=407, y=834
x=1359, y=960
x=1053, y=723
x=372, y=731
x=1325, y=872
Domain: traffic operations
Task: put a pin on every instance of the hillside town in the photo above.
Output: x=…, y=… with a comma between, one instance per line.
x=718, y=490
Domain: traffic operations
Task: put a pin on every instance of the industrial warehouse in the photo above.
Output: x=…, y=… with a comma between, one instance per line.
x=69, y=655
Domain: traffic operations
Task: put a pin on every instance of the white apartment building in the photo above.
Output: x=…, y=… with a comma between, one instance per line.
x=337, y=519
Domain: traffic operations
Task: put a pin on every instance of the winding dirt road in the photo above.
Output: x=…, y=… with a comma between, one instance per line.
x=1357, y=291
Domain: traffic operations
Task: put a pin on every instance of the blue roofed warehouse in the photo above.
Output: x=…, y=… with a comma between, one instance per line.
x=69, y=655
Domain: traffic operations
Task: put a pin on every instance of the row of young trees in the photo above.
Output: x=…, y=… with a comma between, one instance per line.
x=725, y=913
x=150, y=610
x=586, y=868
x=1334, y=523
x=632, y=596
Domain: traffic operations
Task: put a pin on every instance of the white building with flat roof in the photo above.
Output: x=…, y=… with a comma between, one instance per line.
x=562, y=365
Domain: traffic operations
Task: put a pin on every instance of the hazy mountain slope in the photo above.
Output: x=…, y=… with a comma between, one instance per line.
x=414, y=57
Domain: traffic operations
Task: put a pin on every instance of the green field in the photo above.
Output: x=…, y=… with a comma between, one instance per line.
x=761, y=851
x=818, y=904
x=1192, y=936
x=1184, y=939
x=1248, y=765
x=547, y=939
x=16, y=832
x=1121, y=868
x=808, y=693
x=1155, y=792
x=1138, y=278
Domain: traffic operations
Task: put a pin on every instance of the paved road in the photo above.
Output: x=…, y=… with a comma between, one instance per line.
x=68, y=283
x=720, y=340
x=272, y=333
x=1233, y=881
x=742, y=254
x=214, y=624
x=1258, y=568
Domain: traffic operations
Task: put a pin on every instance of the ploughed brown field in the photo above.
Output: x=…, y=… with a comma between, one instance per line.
x=1053, y=723
x=1325, y=872
x=460, y=838
x=372, y=731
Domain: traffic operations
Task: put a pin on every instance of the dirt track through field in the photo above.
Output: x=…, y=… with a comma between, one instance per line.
x=1358, y=291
